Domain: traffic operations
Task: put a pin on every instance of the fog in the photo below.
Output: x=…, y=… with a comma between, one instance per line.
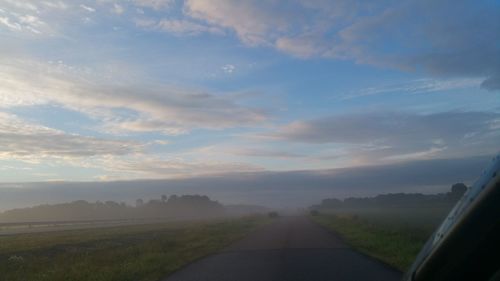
x=292, y=189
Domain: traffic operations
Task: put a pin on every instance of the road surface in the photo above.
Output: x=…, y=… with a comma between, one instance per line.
x=290, y=249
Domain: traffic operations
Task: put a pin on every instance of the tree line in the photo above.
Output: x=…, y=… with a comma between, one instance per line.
x=398, y=200
x=185, y=206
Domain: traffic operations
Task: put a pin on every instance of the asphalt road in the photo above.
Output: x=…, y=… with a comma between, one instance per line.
x=292, y=248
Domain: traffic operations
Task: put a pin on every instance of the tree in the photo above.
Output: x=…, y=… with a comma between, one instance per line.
x=139, y=202
x=458, y=190
x=173, y=198
x=164, y=198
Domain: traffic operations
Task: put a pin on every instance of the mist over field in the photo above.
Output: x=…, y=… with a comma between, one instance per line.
x=297, y=189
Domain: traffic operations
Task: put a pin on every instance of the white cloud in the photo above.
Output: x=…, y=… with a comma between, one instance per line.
x=27, y=23
x=185, y=27
x=149, y=167
x=419, y=86
x=177, y=27
x=296, y=27
x=267, y=153
x=155, y=4
x=251, y=22
x=303, y=46
x=34, y=144
x=154, y=107
x=87, y=8
x=33, y=18
x=440, y=37
x=25, y=5
x=419, y=155
x=144, y=125
x=21, y=140
x=118, y=9
x=60, y=5
x=228, y=68
x=145, y=22
x=10, y=24
x=161, y=142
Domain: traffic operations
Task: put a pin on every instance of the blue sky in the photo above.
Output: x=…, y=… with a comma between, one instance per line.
x=109, y=90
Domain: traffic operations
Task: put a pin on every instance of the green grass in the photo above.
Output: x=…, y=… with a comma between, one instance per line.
x=393, y=241
x=140, y=252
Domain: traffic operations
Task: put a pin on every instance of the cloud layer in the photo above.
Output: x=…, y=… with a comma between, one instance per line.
x=402, y=136
x=276, y=189
x=159, y=108
x=410, y=35
x=31, y=142
x=444, y=38
x=111, y=65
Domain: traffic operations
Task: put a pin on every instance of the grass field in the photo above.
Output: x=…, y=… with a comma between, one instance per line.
x=394, y=237
x=140, y=252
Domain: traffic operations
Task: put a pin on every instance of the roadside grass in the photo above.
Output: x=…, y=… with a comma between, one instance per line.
x=394, y=241
x=139, y=252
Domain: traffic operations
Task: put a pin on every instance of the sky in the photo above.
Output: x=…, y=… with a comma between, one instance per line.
x=101, y=91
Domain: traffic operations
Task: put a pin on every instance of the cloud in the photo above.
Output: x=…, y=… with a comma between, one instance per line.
x=389, y=136
x=10, y=24
x=251, y=22
x=185, y=27
x=118, y=9
x=26, y=23
x=35, y=144
x=303, y=46
x=442, y=38
x=59, y=5
x=21, y=140
x=428, y=36
x=492, y=83
x=277, y=189
x=439, y=38
x=155, y=4
x=228, y=68
x=419, y=86
x=26, y=5
x=161, y=142
x=259, y=152
x=149, y=107
x=32, y=18
x=87, y=8
x=154, y=167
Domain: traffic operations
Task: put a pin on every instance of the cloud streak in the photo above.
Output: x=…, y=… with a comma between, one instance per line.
x=419, y=86
x=177, y=27
x=154, y=167
x=21, y=140
x=156, y=107
x=34, y=144
x=401, y=136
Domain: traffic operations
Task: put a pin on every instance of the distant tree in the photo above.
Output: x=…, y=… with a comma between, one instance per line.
x=458, y=190
x=111, y=204
x=185, y=206
x=331, y=203
x=314, y=212
x=272, y=214
x=173, y=198
x=139, y=202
